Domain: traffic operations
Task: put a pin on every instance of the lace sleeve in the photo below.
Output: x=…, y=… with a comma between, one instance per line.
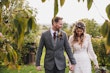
x=91, y=52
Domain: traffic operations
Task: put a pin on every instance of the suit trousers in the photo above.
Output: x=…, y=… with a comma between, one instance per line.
x=55, y=70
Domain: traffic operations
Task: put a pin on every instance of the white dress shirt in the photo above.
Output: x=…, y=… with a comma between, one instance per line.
x=52, y=31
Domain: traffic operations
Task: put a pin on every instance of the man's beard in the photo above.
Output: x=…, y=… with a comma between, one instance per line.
x=59, y=30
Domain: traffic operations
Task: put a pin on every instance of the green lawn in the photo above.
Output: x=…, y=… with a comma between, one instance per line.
x=26, y=68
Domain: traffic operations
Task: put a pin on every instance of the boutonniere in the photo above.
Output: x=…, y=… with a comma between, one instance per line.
x=60, y=34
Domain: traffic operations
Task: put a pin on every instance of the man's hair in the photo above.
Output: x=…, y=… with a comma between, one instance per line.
x=56, y=19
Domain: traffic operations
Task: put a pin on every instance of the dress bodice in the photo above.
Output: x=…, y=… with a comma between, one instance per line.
x=85, y=48
x=77, y=48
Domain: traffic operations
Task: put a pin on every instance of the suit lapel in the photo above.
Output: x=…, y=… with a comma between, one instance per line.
x=58, y=42
x=50, y=38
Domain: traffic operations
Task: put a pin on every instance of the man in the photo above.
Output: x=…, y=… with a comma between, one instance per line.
x=55, y=42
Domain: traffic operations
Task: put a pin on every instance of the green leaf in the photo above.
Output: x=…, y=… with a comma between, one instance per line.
x=78, y=0
x=107, y=39
x=0, y=11
x=108, y=11
x=18, y=26
x=14, y=55
x=20, y=31
x=29, y=25
x=55, y=7
x=104, y=29
x=43, y=1
x=34, y=24
x=20, y=40
x=108, y=36
x=62, y=2
x=107, y=49
x=21, y=24
x=89, y=4
x=5, y=2
x=8, y=57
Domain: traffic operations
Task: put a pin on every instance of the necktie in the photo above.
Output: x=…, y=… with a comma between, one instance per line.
x=54, y=35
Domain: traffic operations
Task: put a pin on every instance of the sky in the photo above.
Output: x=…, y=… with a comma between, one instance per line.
x=71, y=11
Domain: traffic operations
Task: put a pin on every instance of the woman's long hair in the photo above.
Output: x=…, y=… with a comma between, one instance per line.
x=80, y=25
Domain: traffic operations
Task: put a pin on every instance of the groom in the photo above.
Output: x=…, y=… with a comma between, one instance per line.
x=55, y=42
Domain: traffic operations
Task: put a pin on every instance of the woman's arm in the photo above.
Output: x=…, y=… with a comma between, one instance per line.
x=91, y=52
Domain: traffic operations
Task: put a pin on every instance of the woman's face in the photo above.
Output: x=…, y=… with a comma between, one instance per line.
x=79, y=31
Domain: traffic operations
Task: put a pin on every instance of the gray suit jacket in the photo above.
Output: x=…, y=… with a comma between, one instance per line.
x=54, y=55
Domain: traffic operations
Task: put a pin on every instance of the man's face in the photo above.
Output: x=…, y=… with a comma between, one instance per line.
x=58, y=25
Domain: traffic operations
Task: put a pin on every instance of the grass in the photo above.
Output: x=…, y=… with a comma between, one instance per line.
x=24, y=69
x=27, y=68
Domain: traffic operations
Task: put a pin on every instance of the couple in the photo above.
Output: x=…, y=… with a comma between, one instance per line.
x=79, y=49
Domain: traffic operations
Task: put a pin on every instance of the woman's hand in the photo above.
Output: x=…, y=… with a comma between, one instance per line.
x=96, y=66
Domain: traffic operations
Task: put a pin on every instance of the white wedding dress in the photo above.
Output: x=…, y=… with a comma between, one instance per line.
x=83, y=55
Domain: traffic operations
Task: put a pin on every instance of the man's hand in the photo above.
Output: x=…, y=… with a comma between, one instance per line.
x=71, y=67
x=39, y=68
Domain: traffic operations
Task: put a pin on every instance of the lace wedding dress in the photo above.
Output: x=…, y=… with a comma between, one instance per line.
x=83, y=55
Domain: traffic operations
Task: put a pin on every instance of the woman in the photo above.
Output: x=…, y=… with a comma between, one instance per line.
x=81, y=45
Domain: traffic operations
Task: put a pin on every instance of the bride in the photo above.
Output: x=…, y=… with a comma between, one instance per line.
x=83, y=52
